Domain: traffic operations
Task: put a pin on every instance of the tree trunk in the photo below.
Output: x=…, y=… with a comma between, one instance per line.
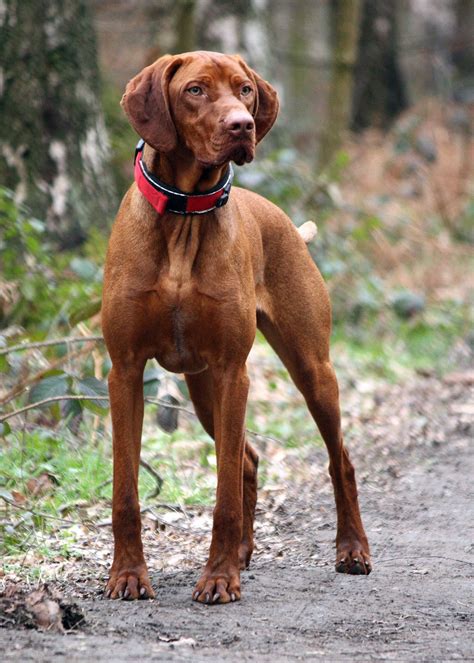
x=346, y=14
x=463, y=43
x=185, y=26
x=53, y=144
x=379, y=90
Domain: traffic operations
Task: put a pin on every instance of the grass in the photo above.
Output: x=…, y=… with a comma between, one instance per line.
x=48, y=475
x=388, y=347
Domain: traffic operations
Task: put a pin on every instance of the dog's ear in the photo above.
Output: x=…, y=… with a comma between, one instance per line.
x=146, y=103
x=266, y=106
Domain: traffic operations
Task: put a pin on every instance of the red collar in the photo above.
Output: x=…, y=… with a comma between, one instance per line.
x=165, y=198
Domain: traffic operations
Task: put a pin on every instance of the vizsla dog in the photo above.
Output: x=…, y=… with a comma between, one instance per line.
x=193, y=268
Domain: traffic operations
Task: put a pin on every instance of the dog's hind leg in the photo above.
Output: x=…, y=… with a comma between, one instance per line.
x=297, y=323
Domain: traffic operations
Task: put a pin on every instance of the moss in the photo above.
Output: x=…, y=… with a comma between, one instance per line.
x=49, y=52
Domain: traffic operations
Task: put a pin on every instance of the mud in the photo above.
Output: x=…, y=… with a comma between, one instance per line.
x=416, y=501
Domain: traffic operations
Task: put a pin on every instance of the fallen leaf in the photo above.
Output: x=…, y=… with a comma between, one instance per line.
x=18, y=497
x=40, y=485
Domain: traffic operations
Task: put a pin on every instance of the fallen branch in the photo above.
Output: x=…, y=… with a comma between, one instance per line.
x=33, y=379
x=147, y=399
x=84, y=397
x=52, y=399
x=46, y=515
x=43, y=344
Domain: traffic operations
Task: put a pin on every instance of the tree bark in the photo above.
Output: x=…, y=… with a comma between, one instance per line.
x=462, y=49
x=53, y=143
x=185, y=26
x=346, y=15
x=379, y=92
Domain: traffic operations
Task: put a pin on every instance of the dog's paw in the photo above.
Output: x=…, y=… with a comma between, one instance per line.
x=353, y=559
x=129, y=585
x=217, y=588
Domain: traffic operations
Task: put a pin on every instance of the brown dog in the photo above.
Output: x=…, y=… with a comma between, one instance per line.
x=190, y=289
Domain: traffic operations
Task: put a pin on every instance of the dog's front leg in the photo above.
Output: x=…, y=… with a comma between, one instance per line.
x=128, y=575
x=220, y=581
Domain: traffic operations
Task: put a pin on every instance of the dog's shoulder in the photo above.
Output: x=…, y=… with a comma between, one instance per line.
x=273, y=223
x=262, y=210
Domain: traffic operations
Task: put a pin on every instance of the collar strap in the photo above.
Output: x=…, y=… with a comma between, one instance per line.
x=165, y=198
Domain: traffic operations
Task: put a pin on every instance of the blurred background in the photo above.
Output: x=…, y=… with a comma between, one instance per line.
x=374, y=143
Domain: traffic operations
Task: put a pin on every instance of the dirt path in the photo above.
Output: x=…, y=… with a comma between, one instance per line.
x=416, y=497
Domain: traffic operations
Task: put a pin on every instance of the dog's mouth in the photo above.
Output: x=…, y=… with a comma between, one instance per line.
x=239, y=152
x=242, y=154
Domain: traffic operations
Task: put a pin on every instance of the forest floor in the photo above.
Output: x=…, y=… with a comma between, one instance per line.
x=411, y=450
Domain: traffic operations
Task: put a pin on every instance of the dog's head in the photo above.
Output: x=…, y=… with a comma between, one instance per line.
x=213, y=105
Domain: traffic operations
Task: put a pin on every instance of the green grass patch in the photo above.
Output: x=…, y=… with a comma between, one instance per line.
x=389, y=347
x=49, y=477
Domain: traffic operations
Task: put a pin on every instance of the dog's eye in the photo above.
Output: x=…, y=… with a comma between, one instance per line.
x=195, y=90
x=246, y=90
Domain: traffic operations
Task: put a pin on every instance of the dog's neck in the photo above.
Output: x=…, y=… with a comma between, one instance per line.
x=189, y=177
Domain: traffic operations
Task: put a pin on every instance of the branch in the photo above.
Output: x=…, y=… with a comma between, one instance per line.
x=33, y=379
x=47, y=515
x=43, y=344
x=159, y=401
x=163, y=521
x=153, y=401
x=52, y=399
x=84, y=397
x=156, y=476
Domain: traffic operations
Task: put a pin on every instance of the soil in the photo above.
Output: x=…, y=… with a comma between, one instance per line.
x=411, y=450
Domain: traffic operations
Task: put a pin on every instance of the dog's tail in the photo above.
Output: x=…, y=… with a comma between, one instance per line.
x=308, y=231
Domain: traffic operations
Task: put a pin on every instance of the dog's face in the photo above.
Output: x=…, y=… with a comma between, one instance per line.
x=213, y=105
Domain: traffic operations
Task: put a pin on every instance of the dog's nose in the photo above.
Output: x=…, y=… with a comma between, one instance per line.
x=239, y=123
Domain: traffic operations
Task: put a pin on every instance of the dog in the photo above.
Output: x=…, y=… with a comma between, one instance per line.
x=193, y=268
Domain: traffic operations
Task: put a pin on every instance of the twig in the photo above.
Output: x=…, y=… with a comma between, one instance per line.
x=156, y=476
x=171, y=507
x=74, y=626
x=84, y=397
x=149, y=509
x=264, y=437
x=52, y=399
x=159, y=401
x=56, y=341
x=33, y=379
x=153, y=401
x=161, y=520
x=46, y=515
x=103, y=484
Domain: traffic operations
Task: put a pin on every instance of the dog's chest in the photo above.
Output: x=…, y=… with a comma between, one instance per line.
x=198, y=303
x=187, y=324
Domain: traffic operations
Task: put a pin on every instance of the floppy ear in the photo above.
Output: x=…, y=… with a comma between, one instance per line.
x=146, y=103
x=266, y=106
x=267, y=109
